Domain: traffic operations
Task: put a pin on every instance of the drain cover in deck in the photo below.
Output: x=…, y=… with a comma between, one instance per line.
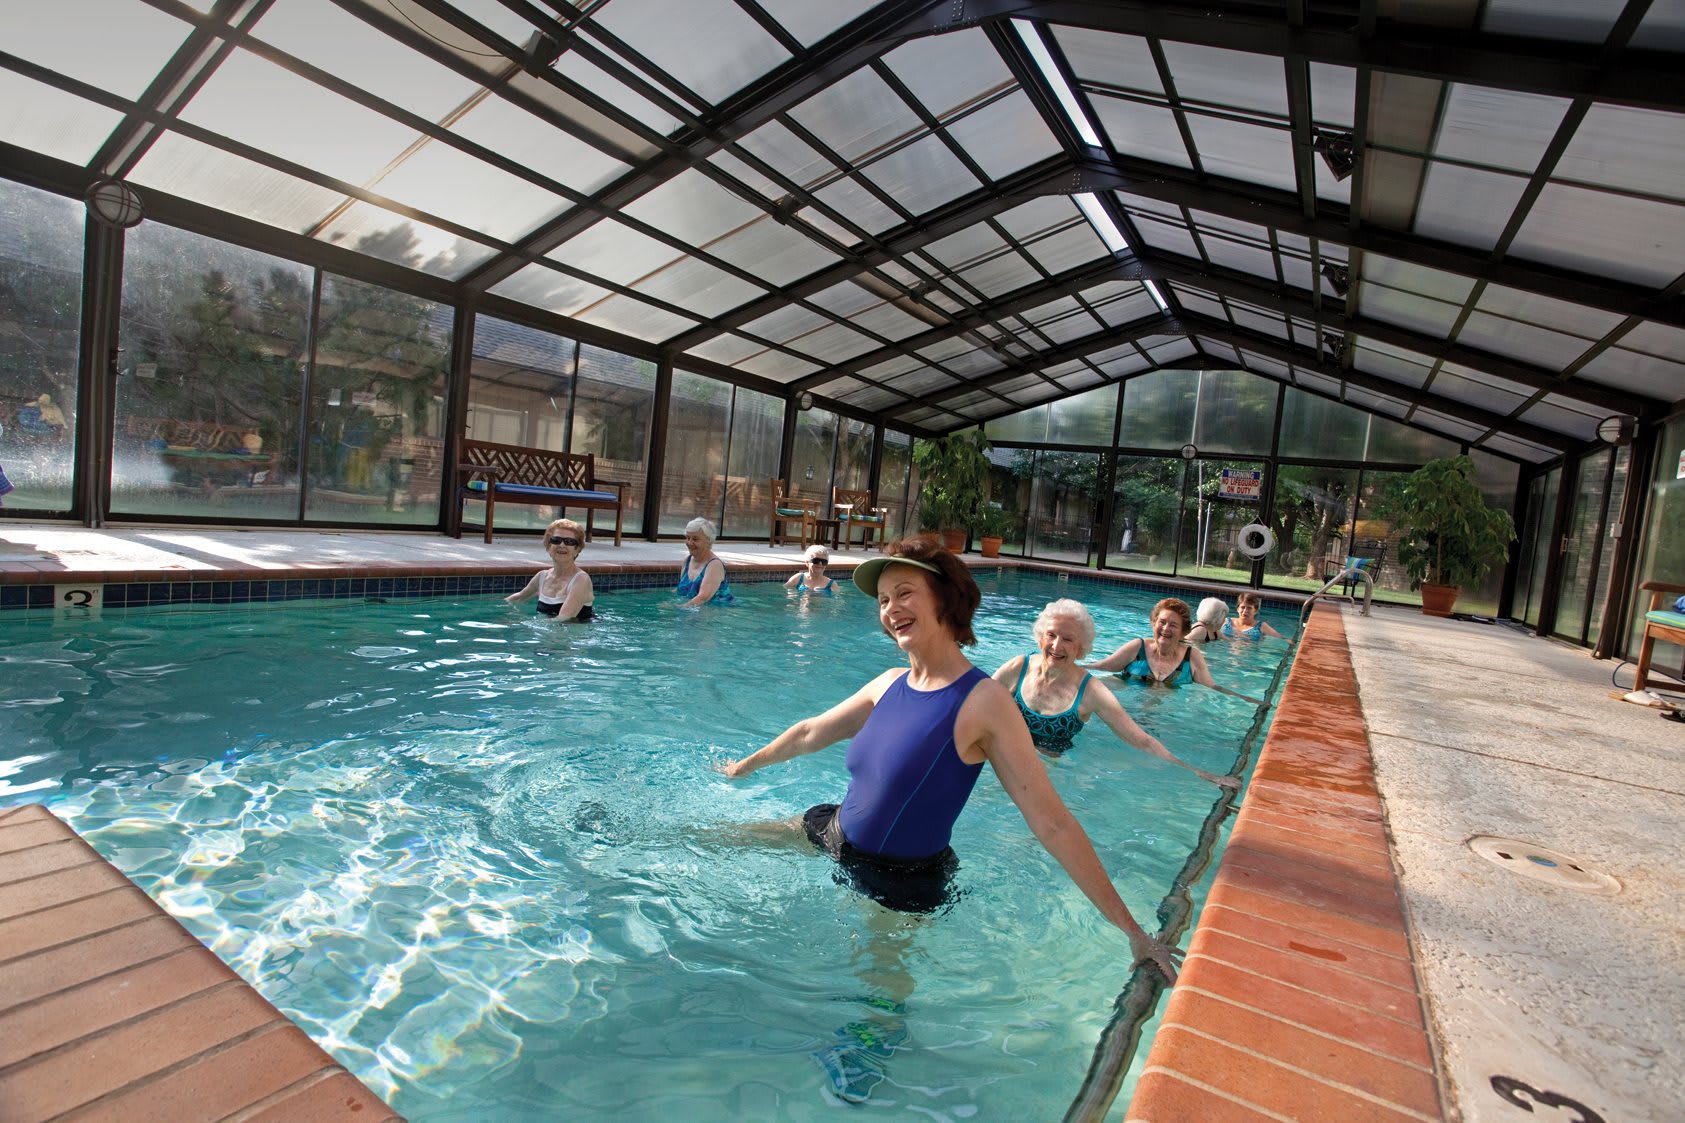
x=1530, y=860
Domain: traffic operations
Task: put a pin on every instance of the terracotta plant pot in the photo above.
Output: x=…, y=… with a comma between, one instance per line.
x=990, y=545
x=1438, y=599
x=954, y=541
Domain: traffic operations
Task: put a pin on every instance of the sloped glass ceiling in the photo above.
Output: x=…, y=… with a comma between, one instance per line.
x=939, y=215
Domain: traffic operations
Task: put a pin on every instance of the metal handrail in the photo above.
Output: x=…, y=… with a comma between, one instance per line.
x=1345, y=575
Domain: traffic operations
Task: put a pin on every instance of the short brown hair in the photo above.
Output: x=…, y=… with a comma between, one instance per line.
x=1179, y=607
x=566, y=524
x=957, y=594
x=1252, y=599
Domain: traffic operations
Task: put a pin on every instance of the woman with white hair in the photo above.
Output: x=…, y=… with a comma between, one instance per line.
x=1052, y=691
x=1208, y=621
x=702, y=580
x=811, y=580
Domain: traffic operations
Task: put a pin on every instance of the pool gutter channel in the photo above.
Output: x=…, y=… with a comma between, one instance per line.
x=1115, y=1050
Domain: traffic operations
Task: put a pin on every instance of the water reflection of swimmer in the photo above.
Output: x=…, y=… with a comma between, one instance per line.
x=920, y=737
x=1052, y=693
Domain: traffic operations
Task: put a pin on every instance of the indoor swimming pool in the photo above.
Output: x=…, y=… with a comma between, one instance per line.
x=489, y=862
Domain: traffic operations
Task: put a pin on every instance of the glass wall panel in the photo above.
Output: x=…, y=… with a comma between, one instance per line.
x=613, y=401
x=1380, y=490
x=1211, y=524
x=209, y=386
x=1086, y=419
x=1497, y=478
x=1321, y=428
x=40, y=313
x=1662, y=553
x=1535, y=546
x=1236, y=413
x=1313, y=523
x=1606, y=556
x=757, y=431
x=854, y=453
x=1011, y=478
x=1025, y=425
x=693, y=476
x=377, y=405
x=1063, y=506
x=1392, y=442
x=810, y=459
x=520, y=385
x=1158, y=409
x=1578, y=570
x=893, y=474
x=1146, y=513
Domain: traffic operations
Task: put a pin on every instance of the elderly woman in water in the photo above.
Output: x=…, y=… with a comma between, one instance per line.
x=1052, y=693
x=1165, y=658
x=702, y=579
x=564, y=590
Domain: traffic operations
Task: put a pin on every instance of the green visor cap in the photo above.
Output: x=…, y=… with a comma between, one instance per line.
x=867, y=572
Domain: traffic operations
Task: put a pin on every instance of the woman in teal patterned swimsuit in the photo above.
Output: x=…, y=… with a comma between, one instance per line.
x=1052, y=691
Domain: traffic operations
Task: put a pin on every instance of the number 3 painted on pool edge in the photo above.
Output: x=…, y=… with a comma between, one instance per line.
x=1511, y=1089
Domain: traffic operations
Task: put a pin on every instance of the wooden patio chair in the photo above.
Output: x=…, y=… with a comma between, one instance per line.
x=1661, y=622
x=861, y=515
x=787, y=509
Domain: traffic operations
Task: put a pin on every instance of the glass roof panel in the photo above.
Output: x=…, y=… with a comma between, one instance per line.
x=1249, y=232
x=698, y=287
x=788, y=154
x=1472, y=392
x=1068, y=329
x=1203, y=303
x=1143, y=131
x=728, y=349
x=232, y=183
x=317, y=129
x=1241, y=257
x=444, y=181
x=1179, y=348
x=492, y=14
x=1391, y=364
x=1126, y=363
x=1124, y=61
x=1333, y=94
x=1551, y=350
x=967, y=246
x=693, y=208
x=42, y=119
x=1223, y=77
x=920, y=380
x=636, y=319
x=592, y=77
x=1407, y=310
x=1562, y=416
x=119, y=48
x=922, y=176
x=1251, y=153
x=1122, y=302
x=845, y=298
x=810, y=22
x=1038, y=215
x=1416, y=278
x=621, y=140
x=851, y=199
x=1165, y=236
x=667, y=34
x=1586, y=21
x=328, y=37
x=785, y=324
x=776, y=254
x=779, y=366
x=1638, y=149
x=1514, y=446
x=1377, y=403
x=1005, y=136
x=946, y=72
x=857, y=116
x=549, y=289
x=1663, y=27
x=1498, y=128
x=821, y=222
x=391, y=237
x=889, y=321
x=615, y=252
x=749, y=176
x=1248, y=317
x=1608, y=235
x=1467, y=205
x=520, y=136
x=1636, y=373
x=1069, y=247
x=1447, y=425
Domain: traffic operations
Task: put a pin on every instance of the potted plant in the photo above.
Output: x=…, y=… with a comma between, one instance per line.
x=953, y=483
x=1448, y=535
x=993, y=524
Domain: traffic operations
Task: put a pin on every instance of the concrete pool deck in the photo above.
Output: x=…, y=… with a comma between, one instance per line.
x=1534, y=993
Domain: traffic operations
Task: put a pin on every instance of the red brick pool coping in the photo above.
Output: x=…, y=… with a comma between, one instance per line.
x=110, y=1009
x=1299, y=1000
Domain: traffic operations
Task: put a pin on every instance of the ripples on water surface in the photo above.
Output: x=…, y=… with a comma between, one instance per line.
x=487, y=861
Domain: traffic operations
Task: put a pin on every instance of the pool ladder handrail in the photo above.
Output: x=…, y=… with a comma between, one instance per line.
x=1345, y=575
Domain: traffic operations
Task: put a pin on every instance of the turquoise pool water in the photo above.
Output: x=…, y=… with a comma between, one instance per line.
x=487, y=861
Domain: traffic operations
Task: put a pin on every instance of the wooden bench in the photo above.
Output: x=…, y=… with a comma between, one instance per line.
x=515, y=474
x=1660, y=623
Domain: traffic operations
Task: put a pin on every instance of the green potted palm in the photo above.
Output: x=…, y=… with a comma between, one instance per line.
x=993, y=524
x=953, y=483
x=1448, y=535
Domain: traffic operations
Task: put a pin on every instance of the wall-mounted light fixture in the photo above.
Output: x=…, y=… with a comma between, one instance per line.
x=114, y=203
x=804, y=401
x=1618, y=430
x=1339, y=278
x=1189, y=452
x=1338, y=151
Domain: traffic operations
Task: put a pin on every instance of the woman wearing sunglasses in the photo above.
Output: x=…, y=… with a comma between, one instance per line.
x=812, y=581
x=563, y=590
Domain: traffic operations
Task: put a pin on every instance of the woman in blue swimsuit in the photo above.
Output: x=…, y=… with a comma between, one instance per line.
x=1249, y=626
x=1053, y=696
x=811, y=580
x=702, y=579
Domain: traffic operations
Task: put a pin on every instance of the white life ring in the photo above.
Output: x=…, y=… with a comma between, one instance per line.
x=1256, y=540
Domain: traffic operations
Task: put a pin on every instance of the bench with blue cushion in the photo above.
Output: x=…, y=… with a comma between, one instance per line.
x=497, y=473
x=1663, y=622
